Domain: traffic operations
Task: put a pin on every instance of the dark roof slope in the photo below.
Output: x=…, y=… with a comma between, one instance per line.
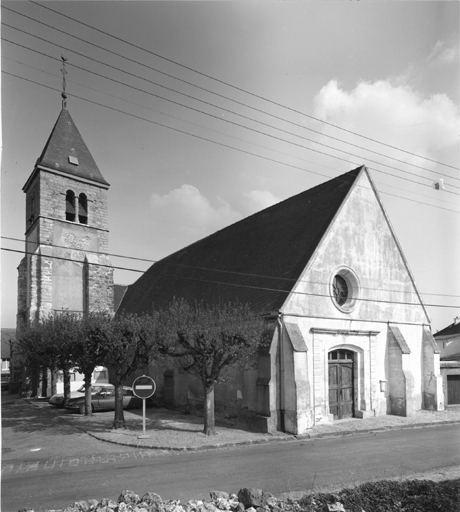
x=118, y=292
x=256, y=260
x=451, y=330
x=452, y=357
x=65, y=141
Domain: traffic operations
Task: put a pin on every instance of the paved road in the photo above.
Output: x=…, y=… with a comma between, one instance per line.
x=274, y=467
x=30, y=434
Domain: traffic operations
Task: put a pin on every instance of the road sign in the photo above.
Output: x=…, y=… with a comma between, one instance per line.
x=144, y=387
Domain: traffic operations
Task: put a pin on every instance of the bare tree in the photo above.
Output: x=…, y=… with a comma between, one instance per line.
x=61, y=330
x=208, y=340
x=93, y=342
x=30, y=349
x=49, y=343
x=132, y=344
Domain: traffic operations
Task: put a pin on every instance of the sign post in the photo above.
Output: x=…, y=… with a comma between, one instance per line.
x=144, y=387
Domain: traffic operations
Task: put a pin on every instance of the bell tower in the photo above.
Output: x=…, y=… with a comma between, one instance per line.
x=66, y=265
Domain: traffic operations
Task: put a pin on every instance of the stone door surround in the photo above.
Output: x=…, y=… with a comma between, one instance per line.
x=362, y=343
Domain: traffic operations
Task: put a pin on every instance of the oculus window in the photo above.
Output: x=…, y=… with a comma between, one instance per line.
x=344, y=289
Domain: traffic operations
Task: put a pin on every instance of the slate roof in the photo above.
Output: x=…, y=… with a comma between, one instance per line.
x=451, y=330
x=118, y=293
x=452, y=357
x=65, y=141
x=256, y=260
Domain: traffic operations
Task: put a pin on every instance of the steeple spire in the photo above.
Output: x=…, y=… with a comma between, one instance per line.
x=64, y=73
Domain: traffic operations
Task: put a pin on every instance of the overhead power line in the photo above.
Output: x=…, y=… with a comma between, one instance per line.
x=216, y=142
x=219, y=118
x=238, y=138
x=223, y=283
x=237, y=102
x=231, y=272
x=243, y=90
x=271, y=149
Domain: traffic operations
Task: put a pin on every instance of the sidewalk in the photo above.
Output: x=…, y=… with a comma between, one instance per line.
x=173, y=431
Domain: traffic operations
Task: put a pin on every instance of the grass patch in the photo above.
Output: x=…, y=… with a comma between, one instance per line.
x=389, y=496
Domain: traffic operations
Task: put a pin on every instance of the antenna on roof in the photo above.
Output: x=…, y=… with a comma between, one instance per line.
x=64, y=73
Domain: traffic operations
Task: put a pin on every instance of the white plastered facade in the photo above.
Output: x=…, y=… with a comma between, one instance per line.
x=384, y=324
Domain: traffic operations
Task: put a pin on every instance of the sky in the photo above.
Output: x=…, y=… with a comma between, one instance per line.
x=199, y=114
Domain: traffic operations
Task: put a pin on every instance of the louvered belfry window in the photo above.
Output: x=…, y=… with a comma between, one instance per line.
x=70, y=206
x=82, y=209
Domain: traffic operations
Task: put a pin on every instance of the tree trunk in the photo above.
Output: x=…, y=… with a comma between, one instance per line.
x=44, y=390
x=209, y=421
x=88, y=407
x=29, y=382
x=119, y=419
x=66, y=384
x=53, y=382
x=34, y=381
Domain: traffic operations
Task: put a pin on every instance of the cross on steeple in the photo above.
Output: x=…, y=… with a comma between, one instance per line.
x=64, y=73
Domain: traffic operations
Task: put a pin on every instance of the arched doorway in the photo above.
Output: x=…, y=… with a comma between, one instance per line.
x=341, y=383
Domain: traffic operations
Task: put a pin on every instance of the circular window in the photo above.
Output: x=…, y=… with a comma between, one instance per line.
x=344, y=289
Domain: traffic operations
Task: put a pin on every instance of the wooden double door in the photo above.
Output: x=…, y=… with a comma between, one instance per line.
x=341, y=383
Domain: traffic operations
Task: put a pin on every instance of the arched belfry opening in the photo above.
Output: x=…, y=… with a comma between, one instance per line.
x=82, y=209
x=70, y=206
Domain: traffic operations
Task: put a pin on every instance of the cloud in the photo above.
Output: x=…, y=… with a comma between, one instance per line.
x=188, y=213
x=394, y=114
x=444, y=53
x=261, y=199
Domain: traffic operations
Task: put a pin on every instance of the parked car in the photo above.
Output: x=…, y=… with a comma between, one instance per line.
x=104, y=400
x=58, y=399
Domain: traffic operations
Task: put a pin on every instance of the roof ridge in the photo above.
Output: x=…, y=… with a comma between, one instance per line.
x=268, y=208
x=275, y=242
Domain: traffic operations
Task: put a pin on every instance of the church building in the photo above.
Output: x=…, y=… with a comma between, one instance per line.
x=66, y=264
x=350, y=334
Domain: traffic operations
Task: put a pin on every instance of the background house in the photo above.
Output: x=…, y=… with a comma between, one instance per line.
x=350, y=334
x=448, y=340
x=8, y=342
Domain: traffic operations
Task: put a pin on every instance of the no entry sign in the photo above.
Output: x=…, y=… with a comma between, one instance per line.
x=144, y=387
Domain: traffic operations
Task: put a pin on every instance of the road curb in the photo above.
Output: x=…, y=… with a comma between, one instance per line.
x=191, y=449
x=383, y=428
x=291, y=438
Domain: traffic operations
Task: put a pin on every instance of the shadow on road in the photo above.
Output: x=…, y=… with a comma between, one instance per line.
x=23, y=417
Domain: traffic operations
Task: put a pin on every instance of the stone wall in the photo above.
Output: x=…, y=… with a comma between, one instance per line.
x=67, y=266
